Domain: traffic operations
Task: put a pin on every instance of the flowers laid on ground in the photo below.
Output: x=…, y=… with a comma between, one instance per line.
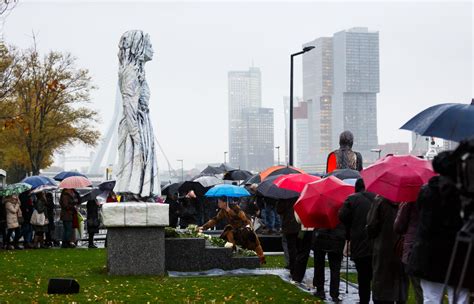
x=192, y=231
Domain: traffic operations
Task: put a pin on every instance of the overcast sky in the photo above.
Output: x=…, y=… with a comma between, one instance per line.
x=426, y=52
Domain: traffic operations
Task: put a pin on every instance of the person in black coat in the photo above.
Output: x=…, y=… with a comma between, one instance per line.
x=172, y=201
x=93, y=221
x=50, y=216
x=389, y=280
x=330, y=242
x=353, y=214
x=188, y=210
x=439, y=207
x=289, y=228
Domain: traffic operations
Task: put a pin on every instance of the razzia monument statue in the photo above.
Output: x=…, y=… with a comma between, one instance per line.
x=137, y=175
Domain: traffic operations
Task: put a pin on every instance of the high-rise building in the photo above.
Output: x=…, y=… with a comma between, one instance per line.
x=356, y=84
x=244, y=91
x=317, y=92
x=398, y=148
x=258, y=144
x=340, y=83
x=245, y=124
x=300, y=130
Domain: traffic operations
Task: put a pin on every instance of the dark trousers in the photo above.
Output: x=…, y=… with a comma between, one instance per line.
x=364, y=277
x=17, y=236
x=303, y=247
x=67, y=232
x=27, y=232
x=335, y=260
x=292, y=245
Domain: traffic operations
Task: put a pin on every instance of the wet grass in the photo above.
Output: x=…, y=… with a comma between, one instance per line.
x=24, y=278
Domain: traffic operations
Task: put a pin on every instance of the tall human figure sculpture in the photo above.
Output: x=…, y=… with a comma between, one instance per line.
x=137, y=175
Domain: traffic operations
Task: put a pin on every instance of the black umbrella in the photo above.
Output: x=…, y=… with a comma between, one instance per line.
x=268, y=189
x=343, y=174
x=272, y=171
x=237, y=175
x=86, y=195
x=227, y=168
x=66, y=174
x=451, y=121
x=197, y=187
x=212, y=170
x=107, y=185
x=171, y=189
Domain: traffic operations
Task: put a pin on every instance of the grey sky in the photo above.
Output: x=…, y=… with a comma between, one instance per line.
x=425, y=57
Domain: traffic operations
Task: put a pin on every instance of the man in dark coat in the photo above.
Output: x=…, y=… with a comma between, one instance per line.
x=172, y=201
x=389, y=281
x=440, y=220
x=330, y=242
x=353, y=214
x=188, y=210
x=93, y=221
x=289, y=228
x=50, y=216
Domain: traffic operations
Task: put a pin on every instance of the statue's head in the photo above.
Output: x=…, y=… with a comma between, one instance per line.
x=134, y=47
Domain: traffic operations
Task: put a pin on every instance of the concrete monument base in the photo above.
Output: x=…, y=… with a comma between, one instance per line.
x=136, y=251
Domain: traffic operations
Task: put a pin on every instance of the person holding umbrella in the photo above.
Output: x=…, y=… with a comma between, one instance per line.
x=14, y=218
x=354, y=216
x=237, y=231
x=68, y=200
x=93, y=221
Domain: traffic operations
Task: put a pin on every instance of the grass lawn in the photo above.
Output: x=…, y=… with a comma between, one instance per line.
x=24, y=279
x=278, y=261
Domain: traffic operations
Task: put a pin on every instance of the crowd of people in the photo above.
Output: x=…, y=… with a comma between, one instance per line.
x=34, y=219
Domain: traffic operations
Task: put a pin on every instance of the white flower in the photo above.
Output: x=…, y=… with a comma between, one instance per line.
x=228, y=245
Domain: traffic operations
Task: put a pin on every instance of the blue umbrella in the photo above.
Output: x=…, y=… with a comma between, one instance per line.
x=38, y=180
x=227, y=190
x=66, y=174
x=451, y=121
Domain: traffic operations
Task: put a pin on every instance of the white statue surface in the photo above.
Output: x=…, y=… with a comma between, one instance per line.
x=137, y=167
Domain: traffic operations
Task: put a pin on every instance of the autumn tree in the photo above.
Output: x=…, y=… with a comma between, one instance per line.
x=50, y=109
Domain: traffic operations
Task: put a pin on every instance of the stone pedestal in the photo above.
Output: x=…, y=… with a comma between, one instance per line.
x=135, y=238
x=136, y=251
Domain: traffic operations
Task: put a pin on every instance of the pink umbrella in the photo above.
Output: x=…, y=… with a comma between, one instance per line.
x=398, y=177
x=75, y=182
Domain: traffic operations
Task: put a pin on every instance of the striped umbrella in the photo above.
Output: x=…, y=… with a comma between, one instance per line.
x=75, y=182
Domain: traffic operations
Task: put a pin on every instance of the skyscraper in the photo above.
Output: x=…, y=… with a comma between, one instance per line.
x=300, y=117
x=340, y=83
x=258, y=143
x=317, y=92
x=356, y=84
x=245, y=101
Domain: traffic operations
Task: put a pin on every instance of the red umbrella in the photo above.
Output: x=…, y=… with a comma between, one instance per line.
x=320, y=201
x=398, y=177
x=75, y=182
x=295, y=182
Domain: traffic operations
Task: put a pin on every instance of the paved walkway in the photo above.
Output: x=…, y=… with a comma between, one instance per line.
x=350, y=297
